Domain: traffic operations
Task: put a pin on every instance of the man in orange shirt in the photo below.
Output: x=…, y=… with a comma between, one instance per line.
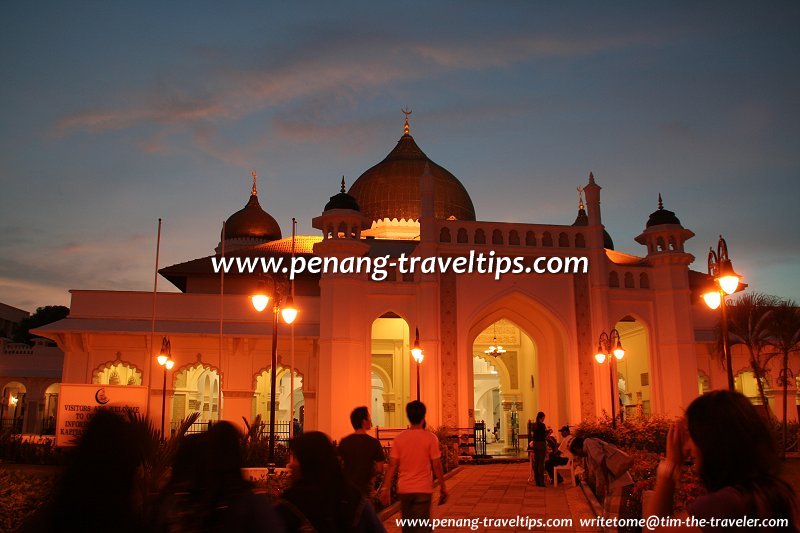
x=415, y=455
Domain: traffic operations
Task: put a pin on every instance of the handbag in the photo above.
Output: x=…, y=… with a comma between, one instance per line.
x=617, y=461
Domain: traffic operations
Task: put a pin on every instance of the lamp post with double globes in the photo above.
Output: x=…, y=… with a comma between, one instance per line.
x=288, y=311
x=164, y=360
x=610, y=344
x=725, y=282
x=418, y=355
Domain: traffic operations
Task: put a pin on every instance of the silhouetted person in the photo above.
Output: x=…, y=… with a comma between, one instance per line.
x=96, y=491
x=537, y=435
x=416, y=457
x=319, y=496
x=207, y=492
x=736, y=455
x=362, y=454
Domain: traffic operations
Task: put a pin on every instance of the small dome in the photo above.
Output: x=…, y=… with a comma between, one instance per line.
x=342, y=201
x=391, y=189
x=252, y=222
x=583, y=220
x=662, y=216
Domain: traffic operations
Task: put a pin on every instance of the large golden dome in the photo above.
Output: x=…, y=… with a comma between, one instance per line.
x=391, y=190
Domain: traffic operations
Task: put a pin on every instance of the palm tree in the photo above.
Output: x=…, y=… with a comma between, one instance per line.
x=747, y=325
x=783, y=327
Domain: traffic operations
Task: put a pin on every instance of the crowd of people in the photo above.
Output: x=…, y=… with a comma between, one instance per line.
x=332, y=488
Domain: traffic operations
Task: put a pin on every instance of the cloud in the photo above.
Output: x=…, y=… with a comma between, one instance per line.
x=341, y=68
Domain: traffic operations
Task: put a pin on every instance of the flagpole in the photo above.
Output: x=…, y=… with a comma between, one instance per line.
x=153, y=319
x=221, y=300
x=291, y=356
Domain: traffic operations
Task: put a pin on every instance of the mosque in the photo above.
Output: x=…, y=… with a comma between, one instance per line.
x=496, y=351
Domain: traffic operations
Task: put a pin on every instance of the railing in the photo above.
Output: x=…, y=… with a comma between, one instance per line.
x=13, y=425
x=470, y=440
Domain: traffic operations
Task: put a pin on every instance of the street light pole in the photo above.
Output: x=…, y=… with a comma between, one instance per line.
x=165, y=360
x=610, y=344
x=272, y=385
x=726, y=281
x=418, y=355
x=260, y=300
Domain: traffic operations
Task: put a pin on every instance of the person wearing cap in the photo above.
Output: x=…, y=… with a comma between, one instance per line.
x=562, y=456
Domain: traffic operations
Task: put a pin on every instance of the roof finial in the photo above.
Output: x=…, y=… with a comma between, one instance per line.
x=580, y=199
x=591, y=177
x=660, y=202
x=407, y=112
x=343, y=184
x=254, y=190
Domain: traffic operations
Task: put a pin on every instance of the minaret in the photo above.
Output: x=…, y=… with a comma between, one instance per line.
x=664, y=235
x=341, y=223
x=592, y=191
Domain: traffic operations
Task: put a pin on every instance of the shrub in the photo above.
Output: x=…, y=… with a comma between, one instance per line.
x=36, y=451
x=641, y=433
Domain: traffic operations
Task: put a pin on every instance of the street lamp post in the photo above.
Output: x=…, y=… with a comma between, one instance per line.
x=610, y=344
x=165, y=360
x=289, y=312
x=416, y=353
x=726, y=281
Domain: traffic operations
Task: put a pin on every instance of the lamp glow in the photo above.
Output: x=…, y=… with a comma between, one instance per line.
x=600, y=357
x=170, y=364
x=729, y=284
x=416, y=353
x=289, y=311
x=619, y=353
x=713, y=299
x=162, y=359
x=260, y=301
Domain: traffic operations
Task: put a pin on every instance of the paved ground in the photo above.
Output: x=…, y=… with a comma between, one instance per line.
x=502, y=491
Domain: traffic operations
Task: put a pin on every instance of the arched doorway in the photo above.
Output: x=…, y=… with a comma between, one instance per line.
x=196, y=389
x=289, y=406
x=633, y=370
x=50, y=409
x=12, y=408
x=391, y=364
x=505, y=393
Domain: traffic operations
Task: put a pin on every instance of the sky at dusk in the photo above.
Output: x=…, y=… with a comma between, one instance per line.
x=114, y=114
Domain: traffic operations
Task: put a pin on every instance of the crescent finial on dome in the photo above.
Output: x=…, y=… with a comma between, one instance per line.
x=254, y=190
x=406, y=111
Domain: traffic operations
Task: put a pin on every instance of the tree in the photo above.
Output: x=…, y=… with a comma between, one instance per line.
x=783, y=328
x=41, y=317
x=747, y=325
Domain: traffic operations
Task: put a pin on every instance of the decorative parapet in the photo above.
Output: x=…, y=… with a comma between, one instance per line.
x=540, y=236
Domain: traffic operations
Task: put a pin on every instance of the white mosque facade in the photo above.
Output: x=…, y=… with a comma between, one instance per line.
x=350, y=344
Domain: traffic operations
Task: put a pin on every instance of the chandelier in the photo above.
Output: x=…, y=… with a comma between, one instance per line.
x=495, y=349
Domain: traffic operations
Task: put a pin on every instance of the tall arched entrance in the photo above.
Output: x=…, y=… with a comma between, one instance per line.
x=504, y=375
x=633, y=370
x=391, y=364
x=537, y=372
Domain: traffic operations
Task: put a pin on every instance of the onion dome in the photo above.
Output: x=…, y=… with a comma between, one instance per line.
x=342, y=201
x=662, y=216
x=252, y=222
x=391, y=189
x=583, y=220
